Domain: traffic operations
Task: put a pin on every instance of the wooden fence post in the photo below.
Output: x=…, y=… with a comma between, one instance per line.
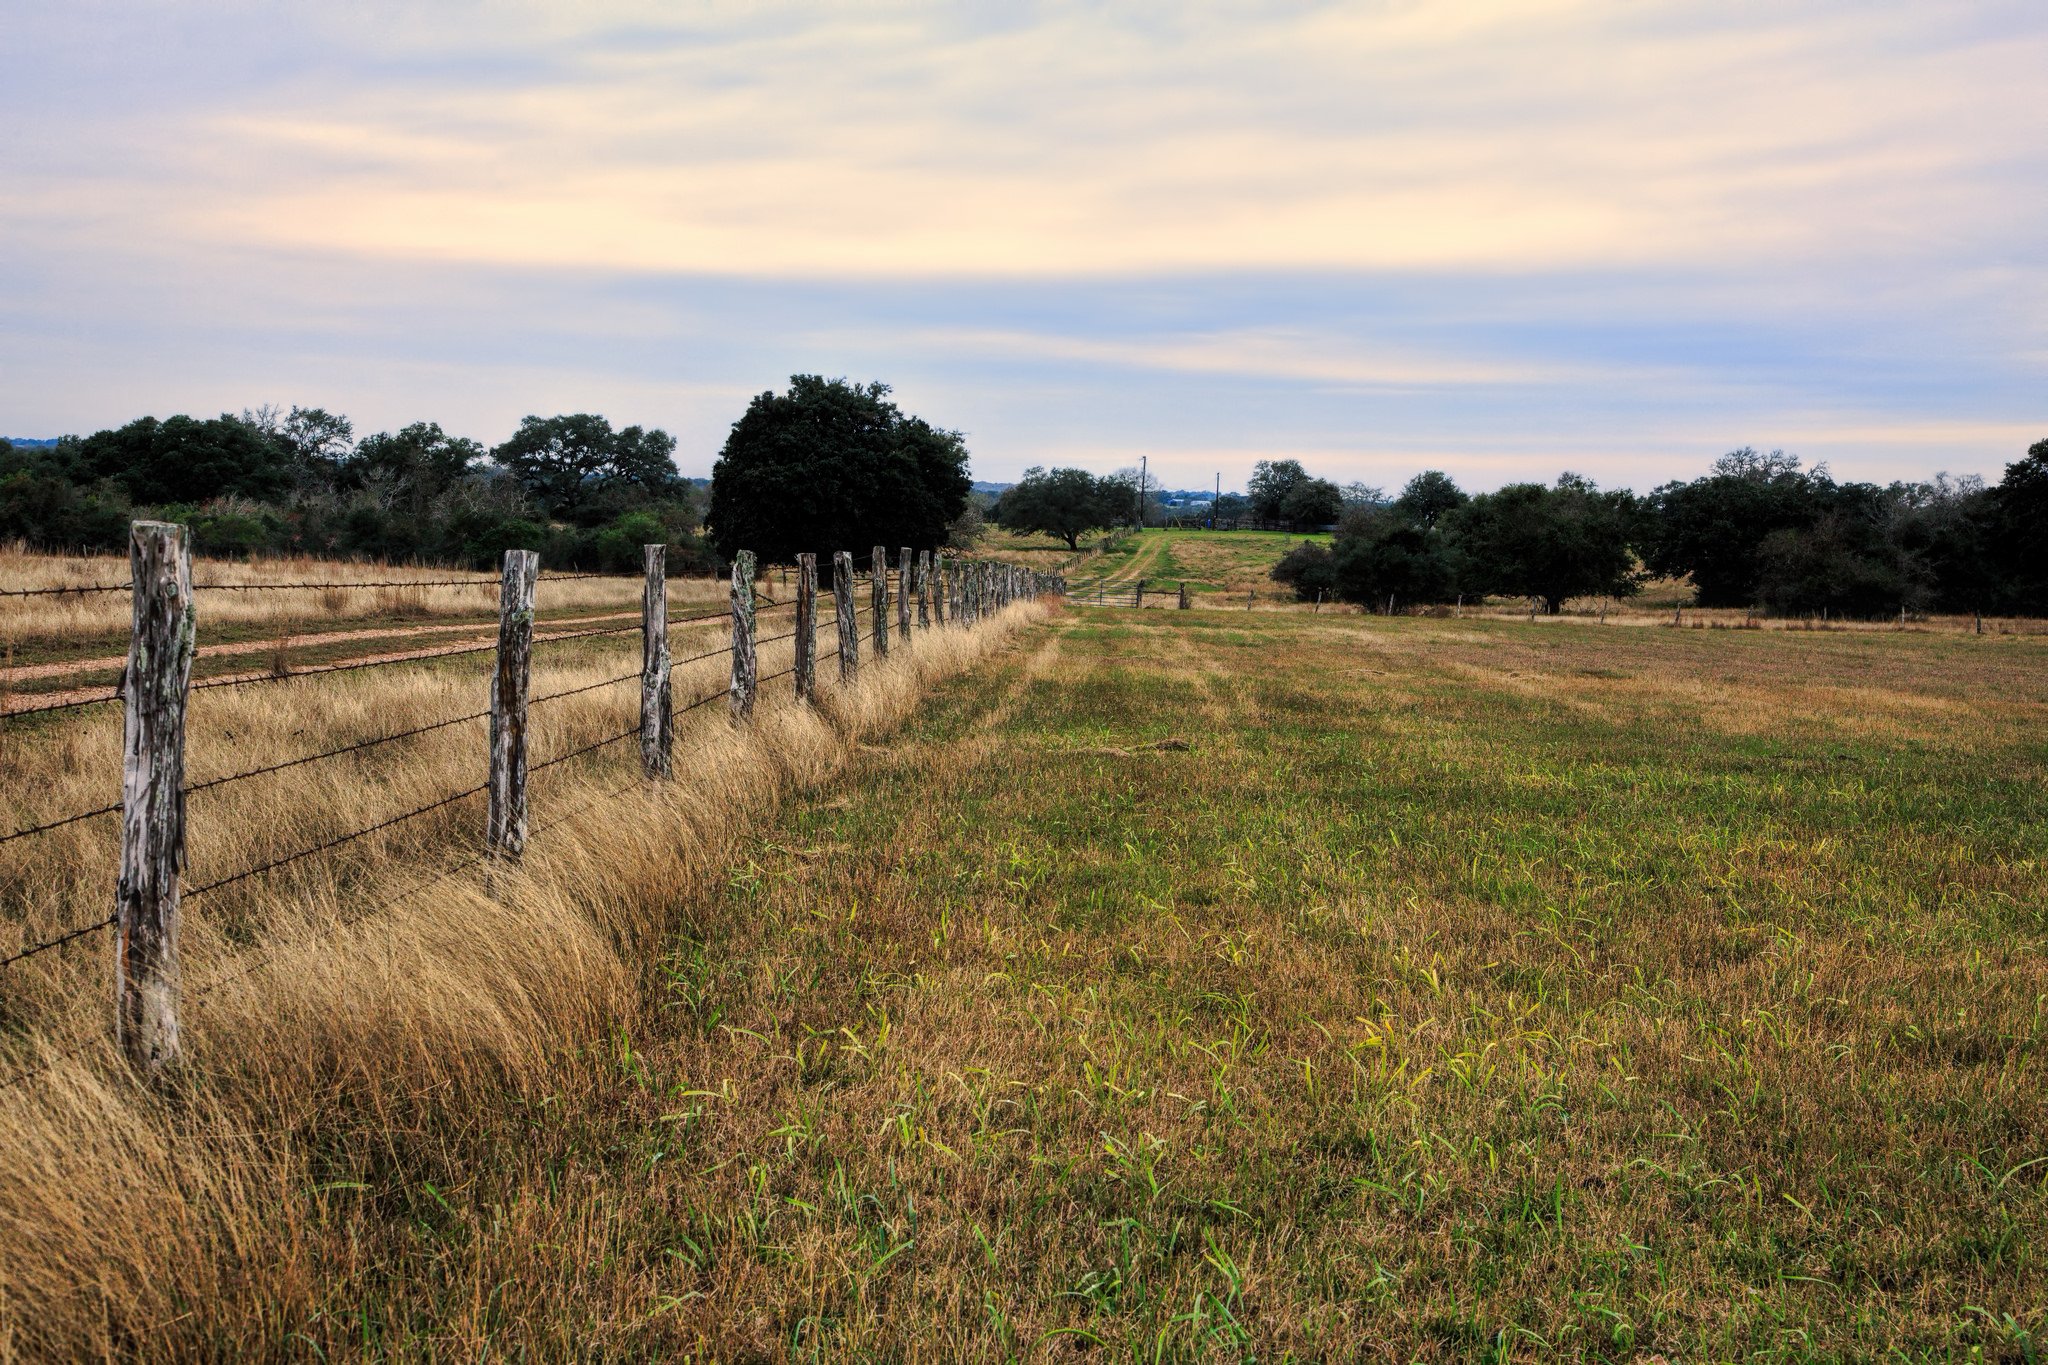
x=938, y=575
x=807, y=627
x=1250, y=598
x=744, y=670
x=924, y=590
x=154, y=692
x=903, y=591
x=878, y=598
x=505, y=833
x=1183, y=594
x=842, y=616
x=657, y=713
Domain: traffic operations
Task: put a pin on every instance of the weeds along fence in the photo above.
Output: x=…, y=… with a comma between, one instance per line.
x=923, y=592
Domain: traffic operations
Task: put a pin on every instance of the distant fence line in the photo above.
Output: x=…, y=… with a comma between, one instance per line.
x=930, y=590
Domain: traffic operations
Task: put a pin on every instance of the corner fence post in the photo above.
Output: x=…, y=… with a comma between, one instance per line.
x=878, y=598
x=924, y=590
x=657, y=713
x=505, y=832
x=903, y=591
x=154, y=692
x=806, y=627
x=744, y=670
x=842, y=616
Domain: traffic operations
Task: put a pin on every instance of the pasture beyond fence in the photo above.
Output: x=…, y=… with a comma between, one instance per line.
x=928, y=591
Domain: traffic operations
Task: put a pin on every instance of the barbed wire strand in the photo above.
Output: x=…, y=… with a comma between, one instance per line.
x=336, y=842
x=47, y=944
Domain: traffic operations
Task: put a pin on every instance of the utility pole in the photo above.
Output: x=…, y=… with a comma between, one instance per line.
x=1141, y=492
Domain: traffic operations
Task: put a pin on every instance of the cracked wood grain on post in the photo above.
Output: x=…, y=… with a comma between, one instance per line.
x=155, y=688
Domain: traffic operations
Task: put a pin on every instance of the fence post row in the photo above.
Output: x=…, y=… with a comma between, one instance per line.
x=657, y=710
x=155, y=689
x=806, y=627
x=505, y=833
x=878, y=599
x=842, y=616
x=744, y=671
x=903, y=589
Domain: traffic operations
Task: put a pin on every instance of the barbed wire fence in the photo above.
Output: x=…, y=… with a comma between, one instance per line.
x=930, y=590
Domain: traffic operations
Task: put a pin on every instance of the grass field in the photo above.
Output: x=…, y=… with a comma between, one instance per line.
x=1212, y=985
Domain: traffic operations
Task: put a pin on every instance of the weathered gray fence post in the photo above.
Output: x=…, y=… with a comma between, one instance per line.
x=806, y=627
x=903, y=592
x=657, y=713
x=1183, y=594
x=154, y=691
x=924, y=590
x=842, y=616
x=744, y=669
x=938, y=577
x=878, y=598
x=505, y=831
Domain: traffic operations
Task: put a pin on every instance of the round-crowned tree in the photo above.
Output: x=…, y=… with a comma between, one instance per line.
x=832, y=466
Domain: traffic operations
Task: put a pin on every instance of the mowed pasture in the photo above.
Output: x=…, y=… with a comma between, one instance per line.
x=1167, y=986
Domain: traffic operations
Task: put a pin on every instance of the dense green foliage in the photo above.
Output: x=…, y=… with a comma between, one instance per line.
x=1758, y=531
x=584, y=495
x=1282, y=492
x=1068, y=503
x=832, y=465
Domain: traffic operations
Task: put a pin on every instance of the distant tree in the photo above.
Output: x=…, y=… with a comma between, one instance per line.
x=1843, y=564
x=184, y=459
x=1713, y=527
x=2017, y=520
x=577, y=467
x=1067, y=503
x=1429, y=496
x=1312, y=503
x=1381, y=554
x=831, y=466
x=1231, y=507
x=317, y=442
x=418, y=462
x=1271, y=483
x=1361, y=495
x=1570, y=540
x=1307, y=569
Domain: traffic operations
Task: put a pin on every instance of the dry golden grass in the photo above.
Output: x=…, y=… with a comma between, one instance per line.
x=90, y=616
x=329, y=1027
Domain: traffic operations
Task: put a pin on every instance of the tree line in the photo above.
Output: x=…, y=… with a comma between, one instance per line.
x=826, y=464
x=1759, y=530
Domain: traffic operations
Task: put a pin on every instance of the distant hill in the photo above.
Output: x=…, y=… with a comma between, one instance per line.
x=30, y=442
x=984, y=486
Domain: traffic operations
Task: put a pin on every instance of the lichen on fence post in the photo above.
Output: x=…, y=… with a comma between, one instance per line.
x=505, y=828
x=842, y=616
x=878, y=598
x=657, y=709
x=924, y=590
x=904, y=573
x=154, y=691
x=744, y=669
x=806, y=671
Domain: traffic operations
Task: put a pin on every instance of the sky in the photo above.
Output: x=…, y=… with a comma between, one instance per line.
x=1502, y=238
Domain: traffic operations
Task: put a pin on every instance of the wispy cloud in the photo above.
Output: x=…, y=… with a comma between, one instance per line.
x=1375, y=231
